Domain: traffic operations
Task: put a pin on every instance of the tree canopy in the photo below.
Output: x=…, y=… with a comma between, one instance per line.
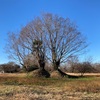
x=60, y=39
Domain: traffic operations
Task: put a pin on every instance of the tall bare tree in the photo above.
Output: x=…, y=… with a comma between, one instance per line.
x=59, y=36
x=62, y=38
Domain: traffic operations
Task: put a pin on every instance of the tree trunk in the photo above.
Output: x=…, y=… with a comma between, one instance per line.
x=56, y=65
x=43, y=72
x=41, y=64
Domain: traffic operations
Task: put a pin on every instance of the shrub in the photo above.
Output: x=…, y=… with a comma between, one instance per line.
x=10, y=67
x=32, y=68
x=85, y=67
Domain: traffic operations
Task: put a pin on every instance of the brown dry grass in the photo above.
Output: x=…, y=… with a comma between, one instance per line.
x=86, y=74
x=26, y=87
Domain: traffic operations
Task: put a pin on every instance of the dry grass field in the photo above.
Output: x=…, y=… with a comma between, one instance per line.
x=25, y=87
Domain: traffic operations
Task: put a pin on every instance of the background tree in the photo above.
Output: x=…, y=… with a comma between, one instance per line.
x=96, y=67
x=10, y=67
x=72, y=61
x=85, y=67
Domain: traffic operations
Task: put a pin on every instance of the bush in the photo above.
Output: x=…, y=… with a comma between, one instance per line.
x=10, y=67
x=97, y=67
x=32, y=68
x=85, y=67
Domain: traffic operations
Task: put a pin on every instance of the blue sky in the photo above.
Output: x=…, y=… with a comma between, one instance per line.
x=85, y=13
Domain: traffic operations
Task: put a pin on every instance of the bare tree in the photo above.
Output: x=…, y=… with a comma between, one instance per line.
x=85, y=67
x=15, y=48
x=72, y=61
x=63, y=39
x=59, y=36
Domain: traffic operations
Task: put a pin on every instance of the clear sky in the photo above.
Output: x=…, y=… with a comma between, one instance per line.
x=85, y=13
